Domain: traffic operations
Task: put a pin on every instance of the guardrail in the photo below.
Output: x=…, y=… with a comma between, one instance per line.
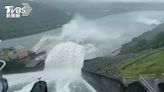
x=1, y=77
x=146, y=84
x=148, y=75
x=3, y=64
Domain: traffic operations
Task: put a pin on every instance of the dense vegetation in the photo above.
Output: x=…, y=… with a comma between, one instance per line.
x=150, y=40
x=42, y=18
x=143, y=55
x=13, y=66
x=149, y=54
x=148, y=62
x=17, y=64
x=129, y=65
x=158, y=41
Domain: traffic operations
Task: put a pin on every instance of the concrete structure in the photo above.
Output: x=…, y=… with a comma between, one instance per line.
x=18, y=52
x=102, y=83
x=21, y=51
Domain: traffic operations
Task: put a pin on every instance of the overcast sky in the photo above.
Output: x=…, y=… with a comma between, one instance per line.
x=115, y=0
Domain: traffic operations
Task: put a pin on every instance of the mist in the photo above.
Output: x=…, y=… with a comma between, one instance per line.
x=148, y=21
x=88, y=32
x=108, y=34
x=109, y=29
x=80, y=28
x=102, y=36
x=107, y=0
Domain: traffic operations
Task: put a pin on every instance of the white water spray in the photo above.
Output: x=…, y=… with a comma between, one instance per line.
x=66, y=55
x=62, y=70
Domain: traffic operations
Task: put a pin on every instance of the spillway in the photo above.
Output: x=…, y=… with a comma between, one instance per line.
x=62, y=71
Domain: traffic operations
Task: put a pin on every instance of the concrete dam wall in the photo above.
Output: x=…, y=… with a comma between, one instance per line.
x=107, y=84
x=103, y=84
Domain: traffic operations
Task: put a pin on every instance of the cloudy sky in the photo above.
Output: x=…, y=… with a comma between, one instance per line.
x=115, y=0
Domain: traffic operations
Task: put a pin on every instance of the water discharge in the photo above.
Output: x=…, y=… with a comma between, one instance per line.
x=62, y=71
x=66, y=55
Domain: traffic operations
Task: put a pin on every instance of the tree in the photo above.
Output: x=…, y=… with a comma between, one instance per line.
x=158, y=41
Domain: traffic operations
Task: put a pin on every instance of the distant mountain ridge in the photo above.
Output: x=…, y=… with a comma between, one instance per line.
x=146, y=41
x=149, y=35
x=42, y=18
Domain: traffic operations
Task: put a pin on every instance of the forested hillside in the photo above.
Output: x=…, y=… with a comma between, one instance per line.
x=149, y=54
x=143, y=55
x=42, y=18
x=149, y=40
x=148, y=62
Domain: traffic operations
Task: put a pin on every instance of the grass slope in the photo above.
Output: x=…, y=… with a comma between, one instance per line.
x=149, y=62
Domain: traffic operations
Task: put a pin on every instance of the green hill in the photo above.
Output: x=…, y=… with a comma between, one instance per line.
x=149, y=54
x=147, y=62
x=143, y=55
x=129, y=65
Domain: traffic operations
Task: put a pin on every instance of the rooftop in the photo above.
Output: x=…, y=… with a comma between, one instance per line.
x=19, y=47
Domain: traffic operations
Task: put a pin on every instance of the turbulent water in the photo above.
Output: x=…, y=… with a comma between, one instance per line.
x=68, y=56
x=116, y=29
x=62, y=71
x=65, y=59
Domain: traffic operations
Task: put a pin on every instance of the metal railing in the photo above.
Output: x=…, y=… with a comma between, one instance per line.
x=162, y=74
x=3, y=64
x=146, y=84
x=1, y=77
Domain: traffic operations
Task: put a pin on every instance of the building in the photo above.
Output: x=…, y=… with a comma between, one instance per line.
x=21, y=51
x=18, y=52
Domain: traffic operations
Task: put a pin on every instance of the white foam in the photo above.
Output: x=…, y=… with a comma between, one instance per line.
x=63, y=68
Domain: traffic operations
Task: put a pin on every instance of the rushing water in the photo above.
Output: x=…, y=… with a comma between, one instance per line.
x=65, y=59
x=122, y=26
x=62, y=71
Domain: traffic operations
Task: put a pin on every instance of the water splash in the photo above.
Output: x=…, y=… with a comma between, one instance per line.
x=62, y=71
x=66, y=55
